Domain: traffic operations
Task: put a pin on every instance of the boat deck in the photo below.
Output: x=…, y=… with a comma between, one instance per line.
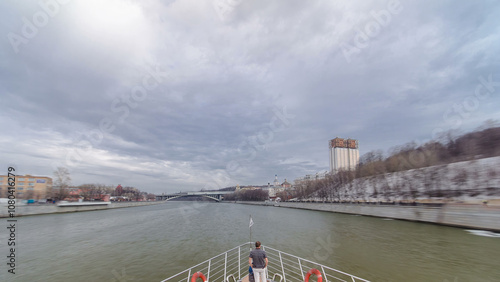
x=232, y=266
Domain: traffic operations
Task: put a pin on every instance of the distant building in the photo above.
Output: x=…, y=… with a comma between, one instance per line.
x=74, y=192
x=28, y=186
x=317, y=176
x=276, y=182
x=286, y=184
x=344, y=154
x=118, y=190
x=277, y=187
x=251, y=188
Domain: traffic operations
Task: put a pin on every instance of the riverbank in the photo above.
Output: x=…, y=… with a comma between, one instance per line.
x=472, y=216
x=24, y=210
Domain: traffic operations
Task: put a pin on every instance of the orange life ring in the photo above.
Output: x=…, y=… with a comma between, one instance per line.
x=198, y=275
x=315, y=272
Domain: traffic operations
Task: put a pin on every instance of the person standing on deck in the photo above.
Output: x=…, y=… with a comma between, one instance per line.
x=258, y=261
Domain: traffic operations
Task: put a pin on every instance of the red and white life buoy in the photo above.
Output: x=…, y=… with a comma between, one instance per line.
x=198, y=275
x=315, y=272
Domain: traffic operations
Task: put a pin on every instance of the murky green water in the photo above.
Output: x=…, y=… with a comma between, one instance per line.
x=154, y=242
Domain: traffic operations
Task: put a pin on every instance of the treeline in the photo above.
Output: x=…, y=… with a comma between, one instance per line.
x=248, y=195
x=455, y=181
x=475, y=145
x=412, y=171
x=132, y=193
x=96, y=191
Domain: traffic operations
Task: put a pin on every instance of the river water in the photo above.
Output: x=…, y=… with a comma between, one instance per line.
x=151, y=243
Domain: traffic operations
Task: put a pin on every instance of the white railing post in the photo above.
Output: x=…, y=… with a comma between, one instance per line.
x=189, y=275
x=301, y=271
x=324, y=273
x=265, y=270
x=282, y=268
x=239, y=262
x=225, y=266
x=208, y=271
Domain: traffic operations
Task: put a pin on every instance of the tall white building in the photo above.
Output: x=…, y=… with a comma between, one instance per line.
x=344, y=154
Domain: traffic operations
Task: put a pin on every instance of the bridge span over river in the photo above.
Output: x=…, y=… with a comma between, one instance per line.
x=214, y=195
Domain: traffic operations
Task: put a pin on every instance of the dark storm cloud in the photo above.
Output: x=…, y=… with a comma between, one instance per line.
x=236, y=97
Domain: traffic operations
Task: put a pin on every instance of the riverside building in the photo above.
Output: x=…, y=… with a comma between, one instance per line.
x=344, y=154
x=27, y=186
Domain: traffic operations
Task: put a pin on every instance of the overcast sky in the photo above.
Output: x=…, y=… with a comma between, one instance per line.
x=184, y=95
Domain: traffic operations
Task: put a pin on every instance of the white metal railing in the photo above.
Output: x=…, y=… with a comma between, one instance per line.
x=294, y=268
x=232, y=265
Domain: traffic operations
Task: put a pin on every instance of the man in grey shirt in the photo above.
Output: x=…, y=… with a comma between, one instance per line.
x=258, y=261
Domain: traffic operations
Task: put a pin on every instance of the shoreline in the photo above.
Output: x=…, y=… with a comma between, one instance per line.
x=472, y=216
x=28, y=210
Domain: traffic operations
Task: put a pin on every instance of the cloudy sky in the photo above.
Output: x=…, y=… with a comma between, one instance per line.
x=184, y=95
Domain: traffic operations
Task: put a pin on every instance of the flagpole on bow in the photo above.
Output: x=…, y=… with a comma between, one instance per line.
x=250, y=226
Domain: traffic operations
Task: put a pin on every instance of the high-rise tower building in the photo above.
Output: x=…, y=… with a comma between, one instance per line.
x=344, y=154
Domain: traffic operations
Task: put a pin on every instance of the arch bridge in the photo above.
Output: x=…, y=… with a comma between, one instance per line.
x=214, y=195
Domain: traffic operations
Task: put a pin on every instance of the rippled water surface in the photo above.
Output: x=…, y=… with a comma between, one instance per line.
x=154, y=242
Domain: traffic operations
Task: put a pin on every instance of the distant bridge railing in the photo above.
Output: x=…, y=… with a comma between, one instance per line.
x=214, y=195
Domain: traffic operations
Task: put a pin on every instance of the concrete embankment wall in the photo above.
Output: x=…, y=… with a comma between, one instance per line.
x=459, y=215
x=23, y=210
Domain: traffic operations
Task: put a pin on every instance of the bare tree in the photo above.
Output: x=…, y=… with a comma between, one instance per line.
x=322, y=191
x=460, y=180
x=62, y=180
x=91, y=192
x=29, y=194
x=414, y=182
x=398, y=185
x=385, y=188
x=491, y=174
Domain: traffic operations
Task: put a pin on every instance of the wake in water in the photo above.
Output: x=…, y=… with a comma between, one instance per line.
x=484, y=233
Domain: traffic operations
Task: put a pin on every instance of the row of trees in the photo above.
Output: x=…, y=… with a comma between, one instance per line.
x=96, y=191
x=131, y=193
x=482, y=143
x=444, y=181
x=411, y=171
x=248, y=195
x=91, y=191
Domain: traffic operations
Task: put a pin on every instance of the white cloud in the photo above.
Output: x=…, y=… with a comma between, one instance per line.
x=223, y=78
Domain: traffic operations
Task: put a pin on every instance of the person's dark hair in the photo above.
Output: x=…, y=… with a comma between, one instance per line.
x=257, y=244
